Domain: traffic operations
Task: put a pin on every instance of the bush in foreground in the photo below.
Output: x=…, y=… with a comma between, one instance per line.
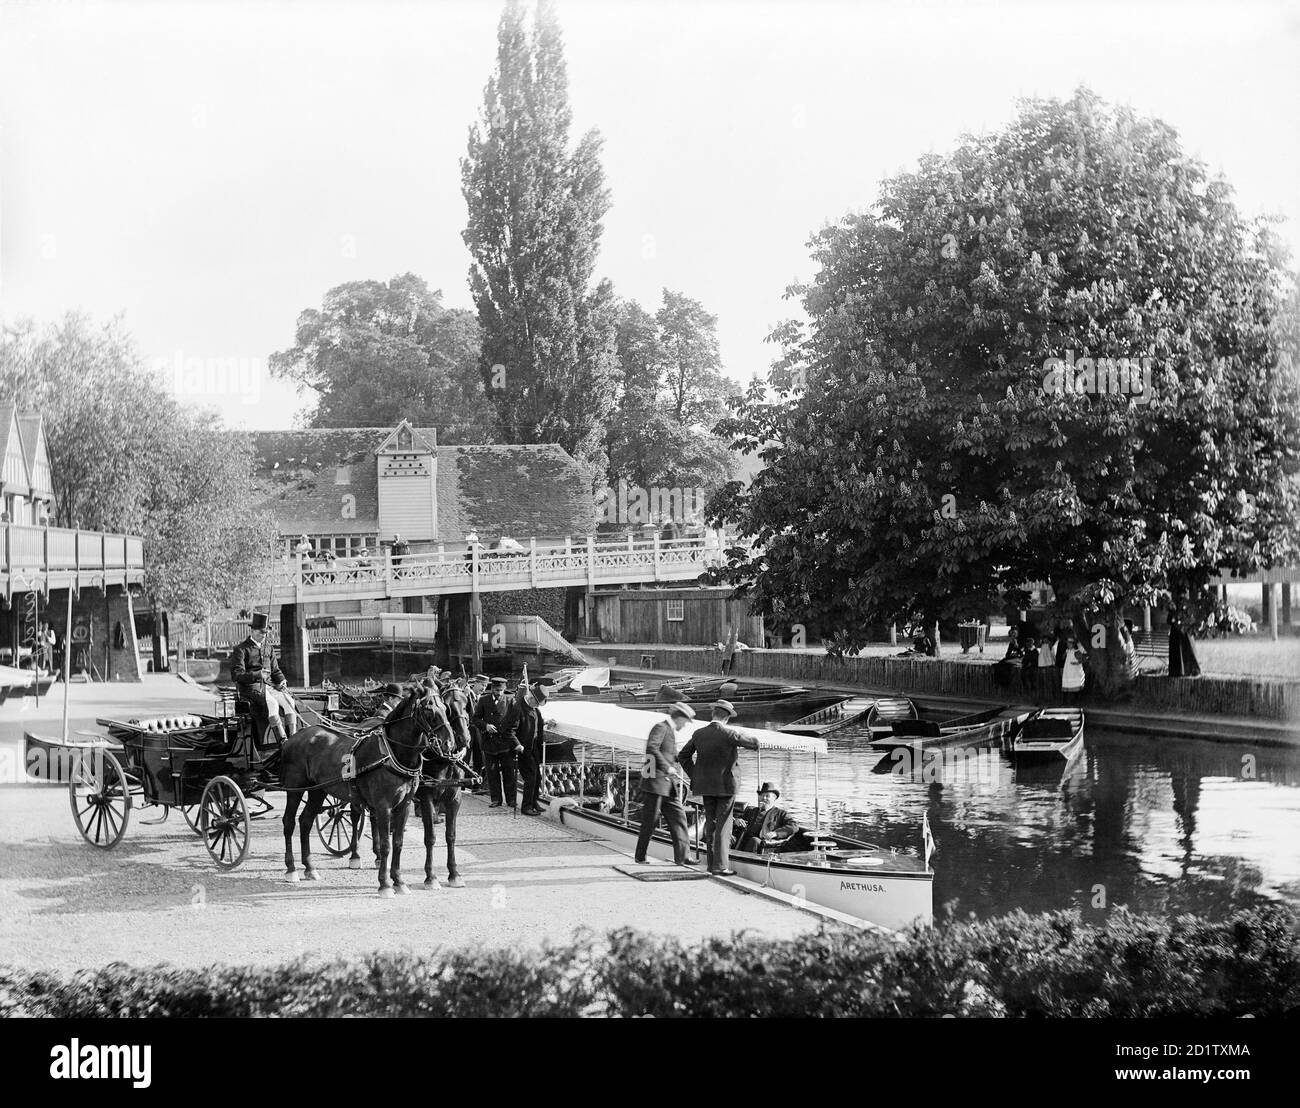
x=1017, y=965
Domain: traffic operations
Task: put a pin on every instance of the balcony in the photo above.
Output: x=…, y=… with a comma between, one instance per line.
x=59, y=558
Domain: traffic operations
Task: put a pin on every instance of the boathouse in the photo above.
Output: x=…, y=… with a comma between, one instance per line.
x=43, y=568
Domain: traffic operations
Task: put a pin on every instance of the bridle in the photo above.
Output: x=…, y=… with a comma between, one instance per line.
x=414, y=709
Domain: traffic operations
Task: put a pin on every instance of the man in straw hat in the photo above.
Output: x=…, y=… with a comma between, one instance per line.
x=766, y=826
x=660, y=778
x=715, y=747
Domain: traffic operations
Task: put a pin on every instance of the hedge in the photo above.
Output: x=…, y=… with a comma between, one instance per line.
x=1017, y=965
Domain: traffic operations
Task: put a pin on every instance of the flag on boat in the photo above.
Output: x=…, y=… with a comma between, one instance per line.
x=926, y=837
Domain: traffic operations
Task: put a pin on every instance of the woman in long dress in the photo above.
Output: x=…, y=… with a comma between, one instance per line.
x=1072, y=675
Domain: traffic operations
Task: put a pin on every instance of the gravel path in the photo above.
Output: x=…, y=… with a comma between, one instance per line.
x=157, y=897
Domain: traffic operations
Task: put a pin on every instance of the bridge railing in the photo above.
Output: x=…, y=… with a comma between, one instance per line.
x=32, y=549
x=444, y=570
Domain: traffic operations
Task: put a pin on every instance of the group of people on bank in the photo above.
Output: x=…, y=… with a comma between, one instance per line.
x=501, y=735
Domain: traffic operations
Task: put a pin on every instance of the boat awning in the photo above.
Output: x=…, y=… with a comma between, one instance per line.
x=627, y=729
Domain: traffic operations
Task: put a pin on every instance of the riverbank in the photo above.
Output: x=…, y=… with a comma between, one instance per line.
x=1154, y=710
x=157, y=898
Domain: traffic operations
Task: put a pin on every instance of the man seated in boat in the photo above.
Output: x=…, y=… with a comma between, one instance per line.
x=262, y=683
x=766, y=826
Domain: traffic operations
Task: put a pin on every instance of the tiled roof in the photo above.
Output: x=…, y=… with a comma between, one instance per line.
x=519, y=491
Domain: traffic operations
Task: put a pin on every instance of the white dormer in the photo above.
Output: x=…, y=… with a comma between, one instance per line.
x=408, y=478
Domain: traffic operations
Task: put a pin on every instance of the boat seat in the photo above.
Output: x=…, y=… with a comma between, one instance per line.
x=917, y=728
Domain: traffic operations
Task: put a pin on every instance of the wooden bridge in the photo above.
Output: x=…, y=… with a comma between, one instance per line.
x=586, y=564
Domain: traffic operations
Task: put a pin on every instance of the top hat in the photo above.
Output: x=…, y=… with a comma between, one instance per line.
x=258, y=621
x=768, y=787
x=681, y=709
x=540, y=691
x=393, y=689
x=725, y=706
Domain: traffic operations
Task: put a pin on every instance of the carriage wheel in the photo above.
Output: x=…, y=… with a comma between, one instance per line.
x=191, y=814
x=100, y=798
x=223, y=822
x=334, y=826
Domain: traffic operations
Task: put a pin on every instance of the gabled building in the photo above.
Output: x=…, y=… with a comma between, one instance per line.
x=26, y=484
x=354, y=488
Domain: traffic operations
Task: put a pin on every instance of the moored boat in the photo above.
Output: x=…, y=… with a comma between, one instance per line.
x=877, y=885
x=1050, y=733
x=991, y=725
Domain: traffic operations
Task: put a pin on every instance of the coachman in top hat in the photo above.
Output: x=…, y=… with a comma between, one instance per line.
x=262, y=683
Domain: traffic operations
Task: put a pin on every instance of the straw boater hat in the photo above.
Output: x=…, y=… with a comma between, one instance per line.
x=681, y=708
x=724, y=706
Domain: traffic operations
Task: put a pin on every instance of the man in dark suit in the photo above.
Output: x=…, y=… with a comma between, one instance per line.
x=659, y=783
x=262, y=683
x=498, y=745
x=524, y=722
x=476, y=690
x=766, y=826
x=715, y=779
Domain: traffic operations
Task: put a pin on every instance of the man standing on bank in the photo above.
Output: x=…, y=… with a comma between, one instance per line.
x=715, y=779
x=498, y=744
x=525, y=724
x=659, y=782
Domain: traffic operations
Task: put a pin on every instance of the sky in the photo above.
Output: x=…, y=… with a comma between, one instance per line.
x=208, y=170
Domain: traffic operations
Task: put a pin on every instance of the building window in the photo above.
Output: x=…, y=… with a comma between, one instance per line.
x=676, y=610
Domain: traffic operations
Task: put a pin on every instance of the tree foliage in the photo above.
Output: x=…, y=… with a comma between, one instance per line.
x=916, y=463
x=535, y=209
x=378, y=352
x=670, y=394
x=127, y=458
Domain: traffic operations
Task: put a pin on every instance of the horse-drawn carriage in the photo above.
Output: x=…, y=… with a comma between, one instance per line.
x=217, y=769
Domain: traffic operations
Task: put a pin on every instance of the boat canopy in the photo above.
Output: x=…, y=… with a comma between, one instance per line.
x=628, y=728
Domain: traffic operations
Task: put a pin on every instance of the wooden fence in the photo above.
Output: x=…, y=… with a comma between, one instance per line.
x=1266, y=698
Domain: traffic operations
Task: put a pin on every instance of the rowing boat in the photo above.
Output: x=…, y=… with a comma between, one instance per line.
x=1049, y=734
x=991, y=725
x=866, y=882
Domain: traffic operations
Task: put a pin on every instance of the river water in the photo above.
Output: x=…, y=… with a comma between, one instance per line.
x=1157, y=824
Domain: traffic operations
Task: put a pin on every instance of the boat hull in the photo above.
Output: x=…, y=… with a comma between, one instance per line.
x=996, y=730
x=1031, y=748
x=885, y=898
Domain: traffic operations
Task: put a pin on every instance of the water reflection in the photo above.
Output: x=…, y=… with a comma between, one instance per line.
x=1159, y=825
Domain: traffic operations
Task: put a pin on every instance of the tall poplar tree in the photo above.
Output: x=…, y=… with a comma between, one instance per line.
x=548, y=358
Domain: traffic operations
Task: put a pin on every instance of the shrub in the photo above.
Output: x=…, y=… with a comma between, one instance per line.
x=1018, y=965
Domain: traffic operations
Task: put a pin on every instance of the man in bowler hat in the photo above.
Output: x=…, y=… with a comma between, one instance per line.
x=659, y=782
x=766, y=826
x=711, y=757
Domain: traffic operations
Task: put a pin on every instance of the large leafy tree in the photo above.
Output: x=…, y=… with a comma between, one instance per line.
x=377, y=352
x=670, y=394
x=127, y=458
x=916, y=463
x=535, y=210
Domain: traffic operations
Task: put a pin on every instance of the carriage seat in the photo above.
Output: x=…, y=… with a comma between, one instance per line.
x=172, y=723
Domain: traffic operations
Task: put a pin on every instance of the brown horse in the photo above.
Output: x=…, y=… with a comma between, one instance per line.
x=444, y=772
x=380, y=769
